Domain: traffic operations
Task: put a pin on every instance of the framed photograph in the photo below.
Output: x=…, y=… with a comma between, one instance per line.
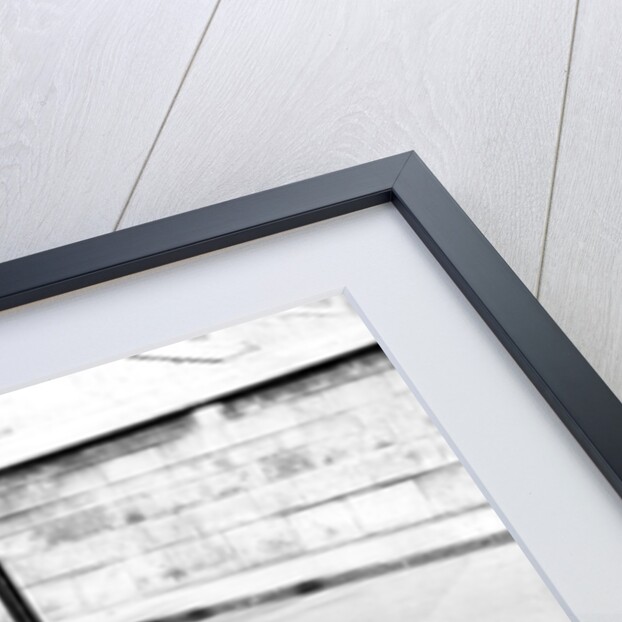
x=332, y=400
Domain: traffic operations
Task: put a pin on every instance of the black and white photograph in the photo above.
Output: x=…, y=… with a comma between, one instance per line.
x=274, y=470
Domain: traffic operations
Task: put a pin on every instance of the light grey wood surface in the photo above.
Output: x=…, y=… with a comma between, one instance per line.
x=84, y=87
x=582, y=275
x=282, y=91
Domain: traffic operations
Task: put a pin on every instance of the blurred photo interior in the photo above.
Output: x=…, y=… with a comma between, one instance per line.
x=275, y=470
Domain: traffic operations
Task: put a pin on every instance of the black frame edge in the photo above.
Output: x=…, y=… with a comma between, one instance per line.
x=569, y=384
x=14, y=601
x=150, y=245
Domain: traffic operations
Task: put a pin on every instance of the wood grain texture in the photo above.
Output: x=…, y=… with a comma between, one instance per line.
x=84, y=87
x=280, y=92
x=582, y=275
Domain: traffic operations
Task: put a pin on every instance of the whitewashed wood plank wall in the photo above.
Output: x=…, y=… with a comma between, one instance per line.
x=582, y=277
x=84, y=87
x=280, y=91
x=114, y=116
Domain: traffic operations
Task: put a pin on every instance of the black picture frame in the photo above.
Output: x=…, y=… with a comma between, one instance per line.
x=573, y=389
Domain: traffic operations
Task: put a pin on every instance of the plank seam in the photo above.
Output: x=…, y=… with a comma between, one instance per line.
x=547, y=218
x=166, y=116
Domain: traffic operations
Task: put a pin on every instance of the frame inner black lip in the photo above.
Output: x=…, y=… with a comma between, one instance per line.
x=572, y=388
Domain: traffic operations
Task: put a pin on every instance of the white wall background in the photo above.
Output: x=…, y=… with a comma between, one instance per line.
x=112, y=114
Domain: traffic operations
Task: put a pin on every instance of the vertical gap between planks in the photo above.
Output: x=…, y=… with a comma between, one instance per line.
x=166, y=115
x=562, y=115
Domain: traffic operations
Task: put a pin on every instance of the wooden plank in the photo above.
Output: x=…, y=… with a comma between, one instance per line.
x=110, y=397
x=84, y=88
x=582, y=274
x=417, y=541
x=281, y=92
x=487, y=586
